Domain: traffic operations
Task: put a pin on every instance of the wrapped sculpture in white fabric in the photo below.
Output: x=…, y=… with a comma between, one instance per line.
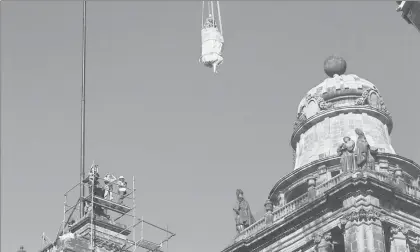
x=211, y=41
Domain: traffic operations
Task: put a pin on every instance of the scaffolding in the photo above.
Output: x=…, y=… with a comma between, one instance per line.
x=98, y=222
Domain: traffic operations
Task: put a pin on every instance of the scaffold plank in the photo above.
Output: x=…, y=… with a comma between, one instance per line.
x=151, y=246
x=113, y=206
x=114, y=227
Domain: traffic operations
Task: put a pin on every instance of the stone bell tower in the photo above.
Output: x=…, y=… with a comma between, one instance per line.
x=348, y=191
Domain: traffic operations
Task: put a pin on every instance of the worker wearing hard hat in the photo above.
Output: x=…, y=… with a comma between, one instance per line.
x=122, y=189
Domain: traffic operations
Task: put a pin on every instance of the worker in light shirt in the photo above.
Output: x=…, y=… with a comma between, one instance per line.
x=108, y=181
x=122, y=189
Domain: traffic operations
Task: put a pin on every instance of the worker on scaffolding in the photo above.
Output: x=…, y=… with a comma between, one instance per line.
x=108, y=181
x=92, y=179
x=87, y=208
x=97, y=210
x=122, y=189
x=70, y=225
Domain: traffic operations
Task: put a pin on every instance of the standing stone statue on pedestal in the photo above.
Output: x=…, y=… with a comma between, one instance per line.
x=364, y=158
x=346, y=151
x=243, y=215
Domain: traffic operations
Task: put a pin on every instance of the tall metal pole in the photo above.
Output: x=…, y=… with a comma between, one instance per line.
x=83, y=110
x=134, y=213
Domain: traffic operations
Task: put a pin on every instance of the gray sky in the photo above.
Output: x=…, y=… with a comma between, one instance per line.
x=191, y=138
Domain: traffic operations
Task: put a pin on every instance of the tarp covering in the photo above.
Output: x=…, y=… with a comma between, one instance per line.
x=211, y=47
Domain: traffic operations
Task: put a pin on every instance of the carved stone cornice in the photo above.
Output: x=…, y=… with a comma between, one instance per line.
x=394, y=230
x=361, y=215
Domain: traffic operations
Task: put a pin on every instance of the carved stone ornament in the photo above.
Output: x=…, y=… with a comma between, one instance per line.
x=416, y=242
x=317, y=237
x=268, y=206
x=364, y=100
x=396, y=229
x=323, y=105
x=301, y=118
x=362, y=215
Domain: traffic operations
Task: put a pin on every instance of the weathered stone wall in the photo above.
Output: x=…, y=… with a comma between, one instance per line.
x=323, y=138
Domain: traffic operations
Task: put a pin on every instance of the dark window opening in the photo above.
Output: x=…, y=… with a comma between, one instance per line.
x=334, y=173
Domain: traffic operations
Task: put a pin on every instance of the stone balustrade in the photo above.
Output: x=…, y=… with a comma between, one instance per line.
x=281, y=212
x=413, y=191
x=320, y=189
x=291, y=206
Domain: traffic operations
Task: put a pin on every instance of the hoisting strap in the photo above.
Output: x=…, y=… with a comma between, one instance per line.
x=209, y=7
x=212, y=14
x=220, y=17
x=202, y=16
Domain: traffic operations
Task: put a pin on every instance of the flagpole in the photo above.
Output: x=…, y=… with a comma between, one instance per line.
x=83, y=110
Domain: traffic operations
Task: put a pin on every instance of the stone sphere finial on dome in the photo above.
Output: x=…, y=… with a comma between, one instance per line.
x=335, y=65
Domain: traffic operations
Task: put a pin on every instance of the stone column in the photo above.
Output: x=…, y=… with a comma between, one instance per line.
x=323, y=243
x=398, y=240
x=363, y=232
x=311, y=188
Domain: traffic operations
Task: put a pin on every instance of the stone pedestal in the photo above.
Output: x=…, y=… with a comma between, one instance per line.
x=363, y=232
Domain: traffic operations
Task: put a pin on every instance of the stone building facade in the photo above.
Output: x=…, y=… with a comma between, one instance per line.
x=357, y=196
x=410, y=12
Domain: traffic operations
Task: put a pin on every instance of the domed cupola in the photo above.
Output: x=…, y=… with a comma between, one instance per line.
x=333, y=109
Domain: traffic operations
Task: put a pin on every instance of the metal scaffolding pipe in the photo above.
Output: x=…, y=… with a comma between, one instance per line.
x=83, y=110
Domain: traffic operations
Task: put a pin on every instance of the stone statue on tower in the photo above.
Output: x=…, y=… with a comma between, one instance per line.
x=364, y=157
x=243, y=215
x=346, y=151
